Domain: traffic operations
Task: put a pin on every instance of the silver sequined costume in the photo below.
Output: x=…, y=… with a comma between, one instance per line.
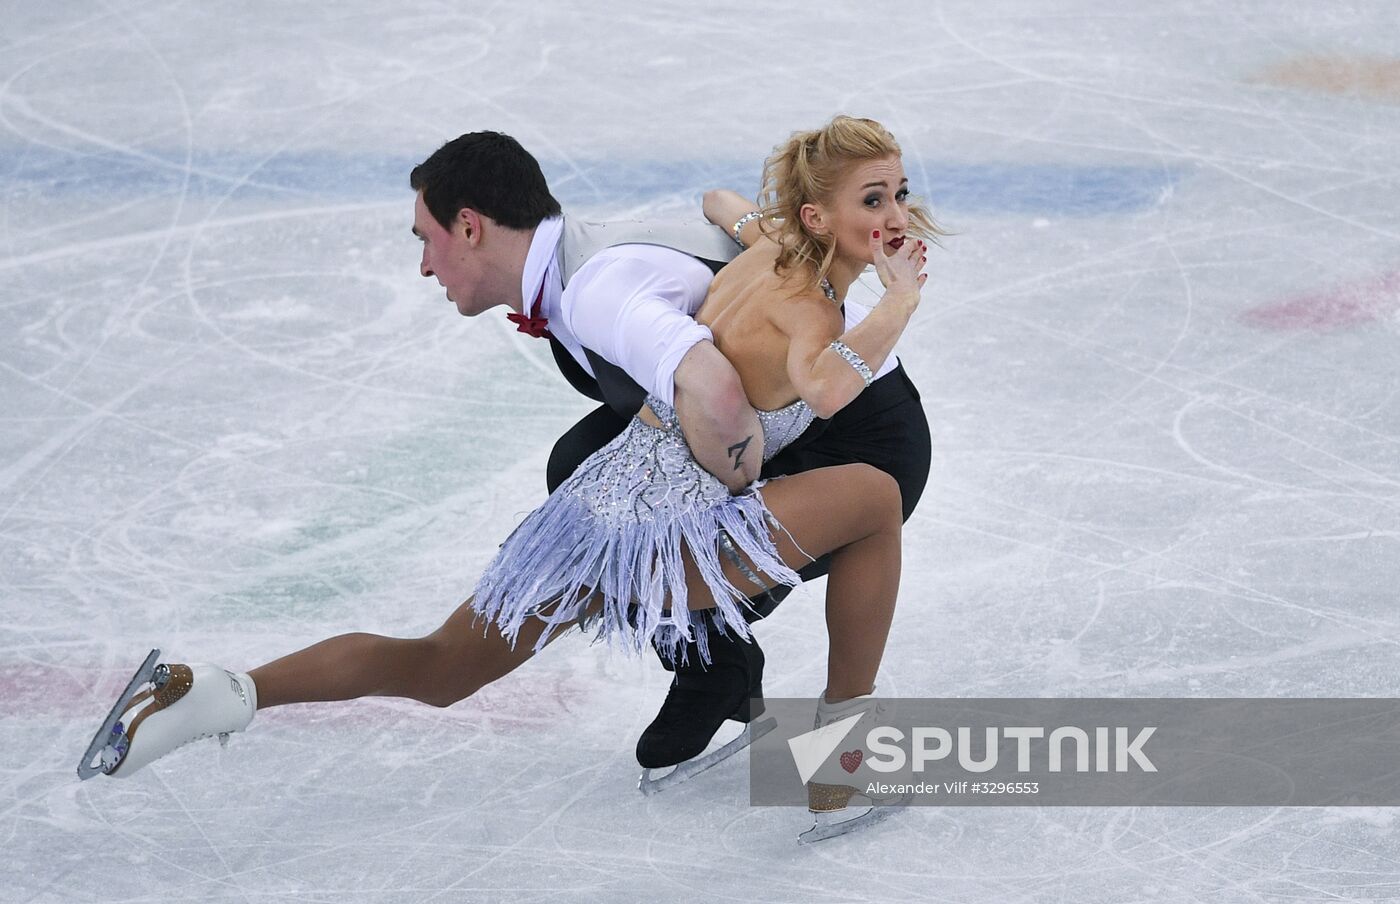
x=618, y=525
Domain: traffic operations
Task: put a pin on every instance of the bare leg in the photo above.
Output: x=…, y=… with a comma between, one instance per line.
x=451, y=664
x=853, y=512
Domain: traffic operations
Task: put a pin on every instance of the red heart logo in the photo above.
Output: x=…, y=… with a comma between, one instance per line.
x=850, y=761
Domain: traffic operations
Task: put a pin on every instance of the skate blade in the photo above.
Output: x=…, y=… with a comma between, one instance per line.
x=843, y=822
x=101, y=740
x=651, y=783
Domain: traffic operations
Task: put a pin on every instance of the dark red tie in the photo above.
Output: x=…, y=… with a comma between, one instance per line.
x=534, y=325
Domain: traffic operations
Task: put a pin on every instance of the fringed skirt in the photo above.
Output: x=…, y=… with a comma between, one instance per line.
x=611, y=536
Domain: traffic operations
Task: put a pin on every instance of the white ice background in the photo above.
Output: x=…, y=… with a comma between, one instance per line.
x=1159, y=358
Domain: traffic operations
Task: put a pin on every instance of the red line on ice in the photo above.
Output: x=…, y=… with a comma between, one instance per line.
x=1347, y=306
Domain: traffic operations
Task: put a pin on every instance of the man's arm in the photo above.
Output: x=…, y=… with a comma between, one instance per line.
x=719, y=424
x=634, y=309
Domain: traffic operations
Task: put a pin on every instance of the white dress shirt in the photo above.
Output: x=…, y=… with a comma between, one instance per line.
x=632, y=304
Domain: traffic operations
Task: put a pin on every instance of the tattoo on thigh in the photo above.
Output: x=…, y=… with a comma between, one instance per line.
x=737, y=450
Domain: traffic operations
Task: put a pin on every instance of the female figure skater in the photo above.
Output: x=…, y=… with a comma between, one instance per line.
x=641, y=535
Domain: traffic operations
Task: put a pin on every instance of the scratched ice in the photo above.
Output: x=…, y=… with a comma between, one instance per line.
x=1161, y=358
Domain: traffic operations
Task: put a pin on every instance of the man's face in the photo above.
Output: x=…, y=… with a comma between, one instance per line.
x=451, y=256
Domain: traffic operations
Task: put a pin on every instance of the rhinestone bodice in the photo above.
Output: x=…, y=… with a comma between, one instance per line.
x=780, y=426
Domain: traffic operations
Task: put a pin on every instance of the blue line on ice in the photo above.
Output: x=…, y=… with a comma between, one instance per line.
x=1030, y=189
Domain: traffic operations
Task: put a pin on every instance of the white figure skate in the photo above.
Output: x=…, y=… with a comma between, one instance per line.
x=838, y=806
x=164, y=707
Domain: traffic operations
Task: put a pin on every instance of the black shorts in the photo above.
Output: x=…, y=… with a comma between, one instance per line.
x=885, y=427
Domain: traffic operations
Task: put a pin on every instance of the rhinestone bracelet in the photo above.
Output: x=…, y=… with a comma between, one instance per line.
x=739, y=225
x=854, y=360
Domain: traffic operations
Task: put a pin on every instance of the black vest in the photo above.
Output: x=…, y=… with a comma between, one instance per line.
x=582, y=240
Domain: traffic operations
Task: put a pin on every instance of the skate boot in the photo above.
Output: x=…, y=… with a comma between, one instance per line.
x=179, y=704
x=836, y=795
x=700, y=700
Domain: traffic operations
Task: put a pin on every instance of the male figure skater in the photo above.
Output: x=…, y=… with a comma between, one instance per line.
x=615, y=302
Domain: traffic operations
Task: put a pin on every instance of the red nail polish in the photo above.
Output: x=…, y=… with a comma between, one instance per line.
x=875, y=234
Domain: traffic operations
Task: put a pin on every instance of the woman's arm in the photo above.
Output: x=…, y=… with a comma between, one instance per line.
x=724, y=208
x=822, y=376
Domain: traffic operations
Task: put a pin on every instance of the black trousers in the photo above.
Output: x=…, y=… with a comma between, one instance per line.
x=885, y=427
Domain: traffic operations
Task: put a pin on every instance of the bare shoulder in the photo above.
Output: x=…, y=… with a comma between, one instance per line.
x=805, y=312
x=734, y=286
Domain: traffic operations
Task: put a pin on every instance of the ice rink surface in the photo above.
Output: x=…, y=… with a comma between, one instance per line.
x=1160, y=357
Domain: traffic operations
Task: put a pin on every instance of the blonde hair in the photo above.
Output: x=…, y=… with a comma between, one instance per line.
x=807, y=169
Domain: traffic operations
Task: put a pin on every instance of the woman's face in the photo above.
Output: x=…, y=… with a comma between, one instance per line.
x=873, y=195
